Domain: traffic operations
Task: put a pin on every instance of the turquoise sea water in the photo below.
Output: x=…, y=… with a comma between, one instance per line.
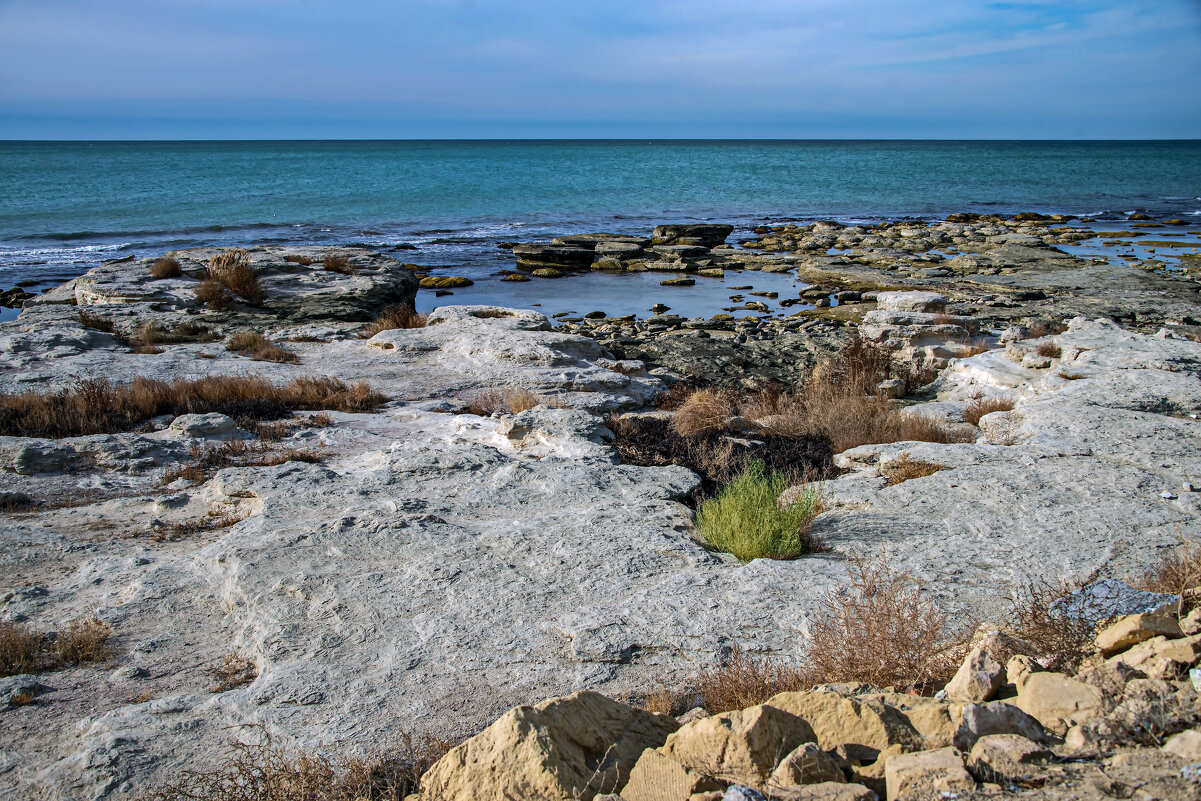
x=65, y=207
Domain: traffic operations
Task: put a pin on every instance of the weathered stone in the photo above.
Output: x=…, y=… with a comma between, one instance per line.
x=1133, y=629
x=1186, y=745
x=978, y=678
x=534, y=255
x=579, y=744
x=206, y=426
x=807, y=764
x=864, y=727
x=1160, y=657
x=744, y=745
x=659, y=778
x=1059, y=702
x=706, y=235
x=1005, y=757
x=927, y=772
x=911, y=301
x=824, y=791
x=997, y=717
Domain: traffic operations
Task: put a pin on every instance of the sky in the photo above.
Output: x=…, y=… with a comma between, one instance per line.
x=399, y=69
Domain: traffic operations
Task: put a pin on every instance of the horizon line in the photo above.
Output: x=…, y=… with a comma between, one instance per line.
x=649, y=140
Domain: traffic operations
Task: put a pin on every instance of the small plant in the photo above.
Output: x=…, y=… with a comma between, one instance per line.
x=96, y=322
x=166, y=267
x=25, y=650
x=982, y=406
x=338, y=264
x=487, y=402
x=883, y=630
x=259, y=348
x=213, y=295
x=1050, y=350
x=904, y=469
x=704, y=412
x=147, y=338
x=394, y=317
x=232, y=270
x=233, y=671
x=1061, y=640
x=21, y=649
x=747, y=520
x=296, y=258
x=1176, y=571
x=83, y=640
x=742, y=680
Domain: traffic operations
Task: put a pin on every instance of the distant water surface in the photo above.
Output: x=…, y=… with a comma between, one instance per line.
x=67, y=206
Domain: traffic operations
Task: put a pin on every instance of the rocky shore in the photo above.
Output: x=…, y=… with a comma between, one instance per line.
x=426, y=565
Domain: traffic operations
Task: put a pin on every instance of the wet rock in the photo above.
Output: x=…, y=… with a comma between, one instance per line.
x=705, y=235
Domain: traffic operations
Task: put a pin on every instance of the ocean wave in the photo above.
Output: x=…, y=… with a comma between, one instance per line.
x=70, y=236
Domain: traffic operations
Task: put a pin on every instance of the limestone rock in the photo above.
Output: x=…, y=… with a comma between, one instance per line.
x=935, y=720
x=744, y=745
x=1160, y=657
x=927, y=773
x=807, y=764
x=1059, y=702
x=864, y=727
x=582, y=743
x=981, y=720
x=659, y=778
x=978, y=678
x=1106, y=598
x=705, y=235
x=1186, y=745
x=825, y=791
x=205, y=426
x=1005, y=757
x=1133, y=629
x=911, y=301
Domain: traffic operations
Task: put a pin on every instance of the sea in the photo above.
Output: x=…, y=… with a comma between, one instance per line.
x=68, y=206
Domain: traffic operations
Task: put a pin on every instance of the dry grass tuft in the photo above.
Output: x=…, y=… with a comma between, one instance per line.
x=977, y=346
x=1042, y=329
x=747, y=520
x=1177, y=571
x=166, y=267
x=487, y=402
x=234, y=670
x=883, y=630
x=207, y=459
x=213, y=521
x=259, y=348
x=982, y=406
x=704, y=412
x=25, y=650
x=296, y=258
x=21, y=649
x=232, y=270
x=338, y=264
x=96, y=322
x=742, y=681
x=904, y=469
x=83, y=640
x=97, y=406
x=1049, y=349
x=213, y=295
x=264, y=771
x=394, y=317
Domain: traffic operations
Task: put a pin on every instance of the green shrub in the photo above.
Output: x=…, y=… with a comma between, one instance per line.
x=746, y=519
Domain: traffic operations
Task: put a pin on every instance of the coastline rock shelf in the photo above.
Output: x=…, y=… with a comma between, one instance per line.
x=428, y=563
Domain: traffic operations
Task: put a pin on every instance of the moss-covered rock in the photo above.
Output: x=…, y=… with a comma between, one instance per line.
x=445, y=282
x=548, y=272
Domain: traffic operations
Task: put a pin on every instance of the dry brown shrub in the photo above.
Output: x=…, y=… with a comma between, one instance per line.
x=259, y=348
x=97, y=406
x=338, y=264
x=1042, y=329
x=295, y=258
x=21, y=699
x=923, y=428
x=704, y=412
x=668, y=701
x=21, y=649
x=192, y=473
x=265, y=771
x=977, y=346
x=982, y=406
x=234, y=670
x=398, y=316
x=213, y=521
x=904, y=469
x=742, y=680
x=1176, y=571
x=487, y=402
x=670, y=399
x=1050, y=350
x=83, y=640
x=1061, y=640
x=96, y=322
x=207, y=459
x=883, y=630
x=232, y=270
x=165, y=267
x=213, y=295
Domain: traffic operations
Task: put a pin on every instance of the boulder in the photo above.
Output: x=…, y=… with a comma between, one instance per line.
x=1057, y=701
x=659, y=778
x=205, y=426
x=927, y=774
x=595, y=241
x=706, y=235
x=564, y=748
x=1160, y=657
x=911, y=301
x=534, y=255
x=825, y=791
x=865, y=727
x=1005, y=757
x=978, y=678
x=744, y=745
x=1186, y=745
x=981, y=720
x=1130, y=630
x=1106, y=598
x=807, y=764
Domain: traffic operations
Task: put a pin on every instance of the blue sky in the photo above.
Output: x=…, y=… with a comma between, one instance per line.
x=184, y=69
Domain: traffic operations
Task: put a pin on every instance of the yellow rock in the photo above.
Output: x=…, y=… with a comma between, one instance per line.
x=744, y=745
x=1160, y=657
x=927, y=774
x=1057, y=701
x=1133, y=629
x=660, y=778
x=865, y=727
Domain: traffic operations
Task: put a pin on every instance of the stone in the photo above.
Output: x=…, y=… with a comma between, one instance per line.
x=935, y=720
x=978, y=678
x=1191, y=623
x=1186, y=745
x=744, y=745
x=1130, y=630
x=705, y=235
x=1160, y=657
x=997, y=717
x=1059, y=702
x=533, y=255
x=1004, y=758
x=927, y=772
x=1106, y=598
x=206, y=426
x=656, y=777
x=1019, y=667
x=740, y=792
x=824, y=791
x=678, y=282
x=547, y=272
x=582, y=743
x=865, y=728
x=19, y=689
x=807, y=764
x=911, y=301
